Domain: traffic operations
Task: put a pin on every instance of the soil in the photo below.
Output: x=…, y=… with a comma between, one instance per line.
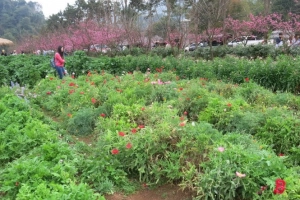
x=166, y=192
x=89, y=140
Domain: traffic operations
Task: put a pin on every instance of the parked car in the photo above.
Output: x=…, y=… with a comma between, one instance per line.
x=246, y=41
x=194, y=46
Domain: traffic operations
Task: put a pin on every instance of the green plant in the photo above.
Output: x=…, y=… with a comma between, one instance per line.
x=82, y=123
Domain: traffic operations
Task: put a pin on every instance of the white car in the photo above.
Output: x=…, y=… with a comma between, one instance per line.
x=246, y=41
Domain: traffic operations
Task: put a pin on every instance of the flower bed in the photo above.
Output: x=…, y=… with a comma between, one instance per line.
x=221, y=140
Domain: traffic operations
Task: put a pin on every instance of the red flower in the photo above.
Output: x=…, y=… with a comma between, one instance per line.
x=141, y=126
x=115, y=151
x=142, y=108
x=182, y=124
x=92, y=83
x=48, y=92
x=51, y=78
x=279, y=186
x=102, y=115
x=246, y=79
x=180, y=88
x=281, y=154
x=93, y=100
x=128, y=146
x=69, y=115
x=89, y=74
x=181, y=118
x=72, y=84
x=81, y=92
x=122, y=134
x=71, y=91
x=229, y=105
x=185, y=113
x=133, y=130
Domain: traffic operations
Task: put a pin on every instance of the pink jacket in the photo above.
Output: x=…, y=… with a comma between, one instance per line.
x=59, y=62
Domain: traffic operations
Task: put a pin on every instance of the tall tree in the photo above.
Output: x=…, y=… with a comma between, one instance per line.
x=286, y=6
x=212, y=14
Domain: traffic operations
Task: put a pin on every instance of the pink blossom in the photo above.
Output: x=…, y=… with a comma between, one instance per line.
x=221, y=149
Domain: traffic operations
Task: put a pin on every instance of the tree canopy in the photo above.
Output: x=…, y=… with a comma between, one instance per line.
x=20, y=18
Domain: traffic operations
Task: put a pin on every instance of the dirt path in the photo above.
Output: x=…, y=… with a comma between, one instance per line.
x=166, y=192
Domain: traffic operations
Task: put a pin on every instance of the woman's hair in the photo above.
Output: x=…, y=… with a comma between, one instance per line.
x=61, y=53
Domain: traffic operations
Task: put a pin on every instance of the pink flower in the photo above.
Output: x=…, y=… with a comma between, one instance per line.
x=240, y=175
x=122, y=134
x=221, y=149
x=128, y=146
x=133, y=130
x=102, y=115
x=182, y=124
x=93, y=100
x=114, y=151
x=141, y=126
x=48, y=92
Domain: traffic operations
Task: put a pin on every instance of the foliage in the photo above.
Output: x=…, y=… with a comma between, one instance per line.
x=20, y=128
x=234, y=171
x=82, y=123
x=148, y=127
x=34, y=163
x=19, y=18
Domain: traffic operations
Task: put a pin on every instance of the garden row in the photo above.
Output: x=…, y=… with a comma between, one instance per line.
x=281, y=74
x=221, y=140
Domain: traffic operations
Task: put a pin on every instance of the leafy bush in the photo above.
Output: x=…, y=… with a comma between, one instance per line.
x=3, y=75
x=82, y=123
x=234, y=171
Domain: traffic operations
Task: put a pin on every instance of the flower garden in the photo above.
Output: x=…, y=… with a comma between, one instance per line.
x=224, y=129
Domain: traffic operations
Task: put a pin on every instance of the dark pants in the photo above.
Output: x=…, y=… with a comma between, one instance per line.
x=60, y=71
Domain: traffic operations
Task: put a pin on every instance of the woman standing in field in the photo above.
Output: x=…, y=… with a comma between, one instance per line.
x=60, y=61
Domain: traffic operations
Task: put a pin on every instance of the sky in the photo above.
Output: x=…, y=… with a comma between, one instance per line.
x=53, y=6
